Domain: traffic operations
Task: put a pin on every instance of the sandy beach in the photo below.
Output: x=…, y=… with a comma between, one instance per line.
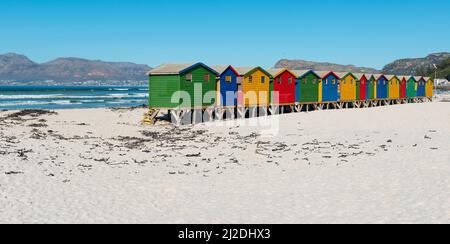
x=376, y=165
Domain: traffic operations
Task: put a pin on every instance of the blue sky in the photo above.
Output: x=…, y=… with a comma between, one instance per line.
x=239, y=32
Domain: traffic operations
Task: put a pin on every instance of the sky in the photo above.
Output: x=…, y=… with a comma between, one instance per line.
x=238, y=32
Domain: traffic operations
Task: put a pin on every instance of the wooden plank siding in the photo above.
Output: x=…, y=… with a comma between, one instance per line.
x=361, y=88
x=403, y=87
x=429, y=88
x=256, y=87
x=421, y=88
x=348, y=87
x=371, y=90
x=284, y=84
x=308, y=88
x=411, y=88
x=227, y=89
x=198, y=79
x=382, y=87
x=394, y=88
x=330, y=86
x=161, y=90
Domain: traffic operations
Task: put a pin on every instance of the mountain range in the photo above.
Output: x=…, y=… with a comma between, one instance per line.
x=415, y=66
x=15, y=67
x=410, y=66
x=19, y=69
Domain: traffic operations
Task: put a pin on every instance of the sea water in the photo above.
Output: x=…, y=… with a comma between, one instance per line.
x=70, y=97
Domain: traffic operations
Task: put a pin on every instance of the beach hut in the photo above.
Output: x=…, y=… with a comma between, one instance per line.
x=411, y=87
x=255, y=85
x=168, y=80
x=361, y=87
x=420, y=86
x=403, y=81
x=429, y=87
x=283, y=83
x=227, y=86
x=393, y=87
x=371, y=87
x=330, y=86
x=307, y=86
x=382, y=86
x=347, y=86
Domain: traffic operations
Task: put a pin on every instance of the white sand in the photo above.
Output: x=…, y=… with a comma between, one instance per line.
x=377, y=165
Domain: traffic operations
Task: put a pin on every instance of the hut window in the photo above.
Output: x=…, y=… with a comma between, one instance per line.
x=250, y=79
x=263, y=79
x=362, y=82
x=334, y=82
x=326, y=82
x=207, y=77
x=189, y=77
x=351, y=82
x=228, y=78
x=290, y=80
x=314, y=81
x=279, y=80
x=305, y=80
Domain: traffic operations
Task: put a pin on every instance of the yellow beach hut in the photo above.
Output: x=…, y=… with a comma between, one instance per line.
x=347, y=86
x=255, y=85
x=429, y=87
x=393, y=87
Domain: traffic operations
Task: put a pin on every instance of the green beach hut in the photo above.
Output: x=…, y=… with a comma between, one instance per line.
x=411, y=87
x=371, y=87
x=307, y=86
x=170, y=83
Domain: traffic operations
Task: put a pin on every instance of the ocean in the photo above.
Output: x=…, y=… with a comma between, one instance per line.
x=71, y=97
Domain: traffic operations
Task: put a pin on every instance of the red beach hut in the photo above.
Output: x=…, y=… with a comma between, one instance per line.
x=283, y=83
x=361, y=87
x=403, y=80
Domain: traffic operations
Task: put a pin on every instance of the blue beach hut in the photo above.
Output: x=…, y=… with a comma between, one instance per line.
x=227, y=86
x=420, y=86
x=382, y=86
x=330, y=86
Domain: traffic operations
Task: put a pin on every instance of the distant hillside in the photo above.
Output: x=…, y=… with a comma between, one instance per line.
x=302, y=64
x=66, y=70
x=415, y=66
x=443, y=71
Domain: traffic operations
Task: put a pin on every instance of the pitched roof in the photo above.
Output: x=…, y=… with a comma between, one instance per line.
x=360, y=75
x=323, y=74
x=368, y=76
x=301, y=73
x=222, y=68
x=243, y=71
x=344, y=74
x=418, y=78
x=176, y=69
x=278, y=71
x=390, y=77
x=378, y=76
x=275, y=72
